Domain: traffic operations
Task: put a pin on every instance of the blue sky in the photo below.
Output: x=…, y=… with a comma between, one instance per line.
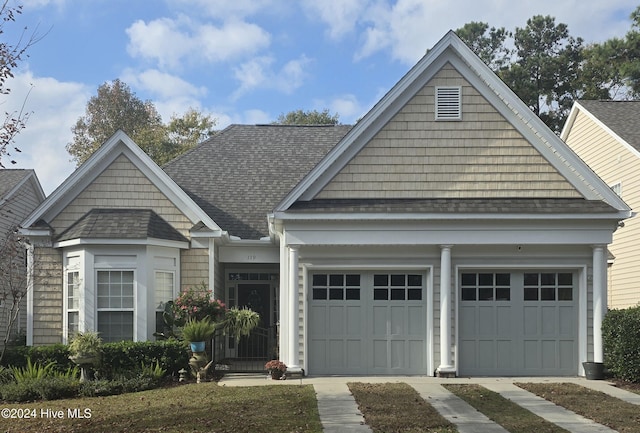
x=243, y=61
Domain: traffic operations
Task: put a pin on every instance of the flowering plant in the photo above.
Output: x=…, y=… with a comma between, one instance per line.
x=275, y=365
x=197, y=303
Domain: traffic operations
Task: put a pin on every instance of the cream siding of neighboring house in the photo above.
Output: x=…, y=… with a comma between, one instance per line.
x=614, y=163
x=122, y=185
x=415, y=156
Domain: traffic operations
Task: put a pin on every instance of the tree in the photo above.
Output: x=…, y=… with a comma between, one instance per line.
x=10, y=55
x=115, y=107
x=546, y=70
x=487, y=43
x=184, y=133
x=612, y=68
x=312, y=117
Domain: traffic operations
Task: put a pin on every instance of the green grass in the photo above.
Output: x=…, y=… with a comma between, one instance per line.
x=204, y=407
x=601, y=408
x=397, y=407
x=509, y=415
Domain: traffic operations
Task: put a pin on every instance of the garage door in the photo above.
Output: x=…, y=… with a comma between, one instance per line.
x=367, y=323
x=518, y=323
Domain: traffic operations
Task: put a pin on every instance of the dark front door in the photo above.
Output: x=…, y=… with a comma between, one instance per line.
x=256, y=297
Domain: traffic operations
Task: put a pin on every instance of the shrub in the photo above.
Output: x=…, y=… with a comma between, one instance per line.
x=56, y=387
x=125, y=357
x=18, y=392
x=621, y=340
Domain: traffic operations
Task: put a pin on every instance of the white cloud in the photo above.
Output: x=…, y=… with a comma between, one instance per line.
x=340, y=16
x=259, y=73
x=170, y=42
x=56, y=106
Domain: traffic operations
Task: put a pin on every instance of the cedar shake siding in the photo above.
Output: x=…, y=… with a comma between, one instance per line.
x=121, y=185
x=481, y=156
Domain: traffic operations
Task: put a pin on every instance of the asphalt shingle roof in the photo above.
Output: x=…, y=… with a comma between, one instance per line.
x=121, y=224
x=456, y=205
x=239, y=175
x=623, y=117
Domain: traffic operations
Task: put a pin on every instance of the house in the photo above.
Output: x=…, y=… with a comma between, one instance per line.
x=20, y=194
x=448, y=232
x=606, y=135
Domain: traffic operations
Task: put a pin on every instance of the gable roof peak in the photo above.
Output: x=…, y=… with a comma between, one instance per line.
x=450, y=49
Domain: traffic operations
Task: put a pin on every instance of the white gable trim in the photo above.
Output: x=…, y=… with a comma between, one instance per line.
x=118, y=144
x=451, y=49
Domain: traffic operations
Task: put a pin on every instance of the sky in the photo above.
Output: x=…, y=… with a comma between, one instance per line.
x=242, y=61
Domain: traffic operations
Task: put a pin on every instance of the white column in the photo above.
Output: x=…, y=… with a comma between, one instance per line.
x=30, y=289
x=599, y=299
x=293, y=307
x=446, y=366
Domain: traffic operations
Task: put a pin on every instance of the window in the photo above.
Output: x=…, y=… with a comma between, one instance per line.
x=164, y=289
x=485, y=286
x=73, y=302
x=397, y=287
x=617, y=188
x=336, y=287
x=448, y=103
x=548, y=286
x=115, y=305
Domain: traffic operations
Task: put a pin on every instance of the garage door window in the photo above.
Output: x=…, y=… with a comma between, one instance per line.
x=486, y=287
x=397, y=287
x=336, y=287
x=548, y=286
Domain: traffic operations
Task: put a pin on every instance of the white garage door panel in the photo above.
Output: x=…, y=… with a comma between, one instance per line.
x=383, y=332
x=517, y=323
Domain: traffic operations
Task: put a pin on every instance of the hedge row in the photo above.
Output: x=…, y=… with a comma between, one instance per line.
x=621, y=340
x=118, y=359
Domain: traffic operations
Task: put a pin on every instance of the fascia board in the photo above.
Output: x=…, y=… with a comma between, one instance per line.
x=98, y=162
x=284, y=216
x=147, y=241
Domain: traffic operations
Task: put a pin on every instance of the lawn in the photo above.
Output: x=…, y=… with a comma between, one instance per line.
x=601, y=408
x=205, y=407
x=397, y=407
x=509, y=415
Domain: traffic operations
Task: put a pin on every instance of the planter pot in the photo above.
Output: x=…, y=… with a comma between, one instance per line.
x=276, y=374
x=593, y=370
x=197, y=346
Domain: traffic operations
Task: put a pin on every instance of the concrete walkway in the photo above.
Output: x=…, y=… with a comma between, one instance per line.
x=339, y=412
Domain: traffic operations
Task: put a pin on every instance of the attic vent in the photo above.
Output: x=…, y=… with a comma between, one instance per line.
x=448, y=103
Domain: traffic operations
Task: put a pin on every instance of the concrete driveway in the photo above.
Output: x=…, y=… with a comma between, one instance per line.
x=339, y=411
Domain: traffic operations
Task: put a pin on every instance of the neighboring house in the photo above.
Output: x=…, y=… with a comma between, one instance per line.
x=606, y=135
x=20, y=194
x=448, y=232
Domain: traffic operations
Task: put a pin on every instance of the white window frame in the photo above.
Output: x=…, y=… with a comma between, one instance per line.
x=159, y=303
x=131, y=309
x=617, y=188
